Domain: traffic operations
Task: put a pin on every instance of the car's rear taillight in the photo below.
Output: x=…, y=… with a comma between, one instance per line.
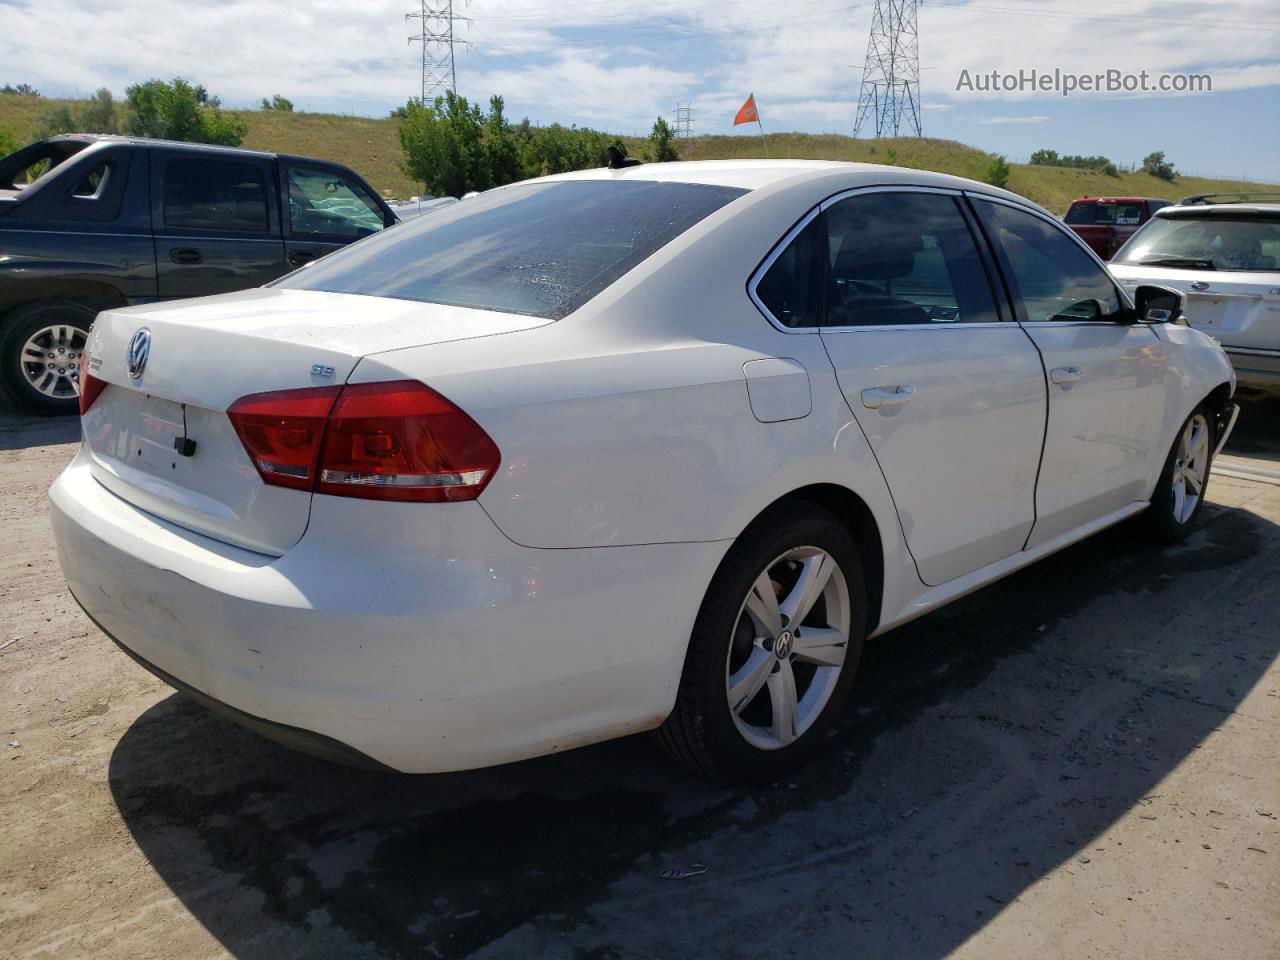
x=282, y=431
x=380, y=441
x=403, y=441
x=90, y=386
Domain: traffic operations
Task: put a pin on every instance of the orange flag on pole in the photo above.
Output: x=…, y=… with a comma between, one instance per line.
x=747, y=113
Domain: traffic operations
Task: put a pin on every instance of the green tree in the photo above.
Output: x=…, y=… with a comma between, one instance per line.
x=55, y=120
x=98, y=114
x=22, y=90
x=173, y=111
x=278, y=102
x=443, y=145
x=661, y=147
x=501, y=151
x=998, y=172
x=1157, y=166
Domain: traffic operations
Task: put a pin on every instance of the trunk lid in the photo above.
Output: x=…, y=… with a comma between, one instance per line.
x=203, y=356
x=1238, y=308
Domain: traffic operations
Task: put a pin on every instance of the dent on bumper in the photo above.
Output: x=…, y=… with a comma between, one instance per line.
x=433, y=644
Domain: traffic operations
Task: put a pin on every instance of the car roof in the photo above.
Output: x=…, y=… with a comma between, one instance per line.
x=765, y=174
x=1118, y=200
x=1181, y=211
x=90, y=138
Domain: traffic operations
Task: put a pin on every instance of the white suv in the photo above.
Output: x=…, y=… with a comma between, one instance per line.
x=1223, y=252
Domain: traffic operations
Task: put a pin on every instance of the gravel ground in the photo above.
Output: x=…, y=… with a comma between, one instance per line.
x=1082, y=761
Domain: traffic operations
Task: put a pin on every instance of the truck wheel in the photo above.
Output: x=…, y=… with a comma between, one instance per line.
x=40, y=351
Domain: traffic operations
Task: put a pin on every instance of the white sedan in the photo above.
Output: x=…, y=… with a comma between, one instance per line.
x=655, y=448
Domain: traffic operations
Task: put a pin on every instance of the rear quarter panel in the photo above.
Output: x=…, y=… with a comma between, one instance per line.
x=629, y=422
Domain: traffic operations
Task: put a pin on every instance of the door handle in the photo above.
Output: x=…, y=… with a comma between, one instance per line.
x=185, y=255
x=1065, y=374
x=877, y=397
x=299, y=257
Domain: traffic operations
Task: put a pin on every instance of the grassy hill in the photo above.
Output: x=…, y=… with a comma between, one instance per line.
x=372, y=147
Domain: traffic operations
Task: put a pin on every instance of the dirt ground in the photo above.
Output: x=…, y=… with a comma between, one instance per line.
x=1082, y=761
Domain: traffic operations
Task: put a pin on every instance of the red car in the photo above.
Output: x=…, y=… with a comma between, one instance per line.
x=1105, y=223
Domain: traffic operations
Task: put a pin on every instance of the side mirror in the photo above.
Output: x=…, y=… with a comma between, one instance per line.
x=1158, y=304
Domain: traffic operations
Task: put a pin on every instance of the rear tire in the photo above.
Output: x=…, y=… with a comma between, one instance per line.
x=40, y=351
x=774, y=648
x=1183, y=482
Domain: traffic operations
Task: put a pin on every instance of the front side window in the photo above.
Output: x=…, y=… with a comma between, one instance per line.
x=540, y=249
x=324, y=203
x=209, y=194
x=1220, y=242
x=1056, y=279
x=900, y=258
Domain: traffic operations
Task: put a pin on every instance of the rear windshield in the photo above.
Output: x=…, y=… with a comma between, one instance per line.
x=539, y=249
x=1226, y=242
x=1104, y=213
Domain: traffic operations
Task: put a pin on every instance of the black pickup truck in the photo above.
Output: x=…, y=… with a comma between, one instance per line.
x=111, y=221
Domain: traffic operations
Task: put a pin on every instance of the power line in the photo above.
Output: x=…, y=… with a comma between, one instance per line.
x=891, y=75
x=439, y=73
x=684, y=121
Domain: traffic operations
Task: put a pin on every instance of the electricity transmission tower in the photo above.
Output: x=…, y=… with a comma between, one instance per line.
x=891, y=75
x=684, y=121
x=436, y=20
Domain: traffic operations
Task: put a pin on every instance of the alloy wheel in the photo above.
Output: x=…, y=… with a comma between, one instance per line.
x=1190, y=467
x=51, y=360
x=788, y=648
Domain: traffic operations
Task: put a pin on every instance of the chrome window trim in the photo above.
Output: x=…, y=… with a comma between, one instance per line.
x=804, y=221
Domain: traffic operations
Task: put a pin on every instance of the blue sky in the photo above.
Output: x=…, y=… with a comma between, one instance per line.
x=616, y=65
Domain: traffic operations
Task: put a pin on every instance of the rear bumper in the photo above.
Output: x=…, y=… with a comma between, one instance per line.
x=1257, y=368
x=415, y=635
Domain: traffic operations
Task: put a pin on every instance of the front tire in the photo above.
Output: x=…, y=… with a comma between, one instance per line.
x=1180, y=491
x=774, y=648
x=40, y=355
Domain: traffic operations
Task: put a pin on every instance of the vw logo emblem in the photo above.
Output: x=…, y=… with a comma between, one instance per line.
x=139, y=350
x=1199, y=285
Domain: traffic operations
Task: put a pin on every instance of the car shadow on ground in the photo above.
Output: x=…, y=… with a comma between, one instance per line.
x=264, y=846
x=1256, y=434
x=19, y=431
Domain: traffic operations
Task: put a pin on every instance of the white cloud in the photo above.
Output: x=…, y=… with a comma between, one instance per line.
x=1003, y=120
x=615, y=65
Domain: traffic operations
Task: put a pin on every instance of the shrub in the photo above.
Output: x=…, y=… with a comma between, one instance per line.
x=997, y=172
x=278, y=102
x=660, y=142
x=7, y=144
x=1157, y=166
x=178, y=111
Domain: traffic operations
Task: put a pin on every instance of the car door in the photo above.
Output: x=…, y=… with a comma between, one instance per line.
x=1105, y=371
x=217, y=227
x=325, y=209
x=950, y=396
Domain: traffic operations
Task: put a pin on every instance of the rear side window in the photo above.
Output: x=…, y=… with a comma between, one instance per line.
x=792, y=288
x=904, y=258
x=207, y=194
x=539, y=249
x=1104, y=214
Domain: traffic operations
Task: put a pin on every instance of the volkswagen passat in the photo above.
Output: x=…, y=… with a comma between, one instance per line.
x=620, y=450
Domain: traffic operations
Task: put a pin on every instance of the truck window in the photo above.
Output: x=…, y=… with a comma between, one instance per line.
x=325, y=203
x=208, y=194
